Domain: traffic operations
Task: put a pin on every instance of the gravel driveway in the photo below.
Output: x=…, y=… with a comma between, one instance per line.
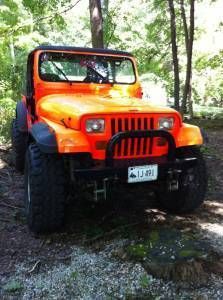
x=137, y=252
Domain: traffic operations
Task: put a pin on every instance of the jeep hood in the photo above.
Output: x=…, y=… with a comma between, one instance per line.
x=69, y=109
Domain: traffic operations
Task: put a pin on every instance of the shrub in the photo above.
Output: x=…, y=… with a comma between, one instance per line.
x=7, y=111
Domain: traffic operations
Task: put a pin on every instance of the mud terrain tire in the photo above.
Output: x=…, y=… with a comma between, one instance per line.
x=192, y=185
x=45, y=190
x=19, y=144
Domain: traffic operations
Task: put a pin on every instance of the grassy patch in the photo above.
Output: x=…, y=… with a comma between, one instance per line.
x=138, y=251
x=74, y=275
x=166, y=246
x=141, y=250
x=154, y=236
x=145, y=281
x=13, y=286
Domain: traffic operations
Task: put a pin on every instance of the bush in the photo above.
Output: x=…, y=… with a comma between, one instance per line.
x=7, y=112
x=206, y=112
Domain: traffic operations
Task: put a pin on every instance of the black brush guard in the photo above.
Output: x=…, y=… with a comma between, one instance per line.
x=118, y=169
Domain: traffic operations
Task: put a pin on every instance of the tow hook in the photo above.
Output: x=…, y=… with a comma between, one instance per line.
x=173, y=180
x=100, y=190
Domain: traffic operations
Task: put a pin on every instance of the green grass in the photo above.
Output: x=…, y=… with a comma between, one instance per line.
x=13, y=286
x=145, y=281
x=137, y=251
x=74, y=275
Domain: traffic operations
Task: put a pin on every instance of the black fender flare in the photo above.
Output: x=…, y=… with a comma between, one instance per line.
x=21, y=116
x=44, y=137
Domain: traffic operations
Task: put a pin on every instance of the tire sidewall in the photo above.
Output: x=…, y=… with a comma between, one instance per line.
x=188, y=197
x=45, y=192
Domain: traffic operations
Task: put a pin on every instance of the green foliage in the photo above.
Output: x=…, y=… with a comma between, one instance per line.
x=145, y=281
x=209, y=90
x=154, y=236
x=206, y=112
x=13, y=286
x=138, y=251
x=141, y=27
x=24, y=25
x=7, y=111
x=74, y=275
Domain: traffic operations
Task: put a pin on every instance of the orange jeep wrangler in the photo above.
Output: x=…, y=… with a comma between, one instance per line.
x=83, y=118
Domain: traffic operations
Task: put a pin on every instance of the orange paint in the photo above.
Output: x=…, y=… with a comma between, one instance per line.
x=61, y=105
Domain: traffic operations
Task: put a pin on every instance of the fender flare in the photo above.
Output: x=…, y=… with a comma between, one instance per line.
x=21, y=116
x=189, y=135
x=44, y=137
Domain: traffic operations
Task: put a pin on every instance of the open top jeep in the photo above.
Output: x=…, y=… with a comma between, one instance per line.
x=83, y=119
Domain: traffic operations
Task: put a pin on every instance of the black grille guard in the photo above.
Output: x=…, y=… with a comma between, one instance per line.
x=118, y=137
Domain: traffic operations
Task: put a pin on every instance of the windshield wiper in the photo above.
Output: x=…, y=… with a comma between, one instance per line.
x=62, y=72
x=105, y=80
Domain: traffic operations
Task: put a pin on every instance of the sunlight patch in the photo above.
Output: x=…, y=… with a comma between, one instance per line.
x=213, y=228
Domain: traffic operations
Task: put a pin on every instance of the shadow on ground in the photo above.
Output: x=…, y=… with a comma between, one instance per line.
x=183, y=249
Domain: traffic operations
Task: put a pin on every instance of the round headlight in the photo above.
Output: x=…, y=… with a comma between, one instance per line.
x=95, y=125
x=166, y=123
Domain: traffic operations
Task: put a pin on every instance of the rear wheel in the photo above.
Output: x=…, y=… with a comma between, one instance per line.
x=19, y=144
x=192, y=185
x=45, y=190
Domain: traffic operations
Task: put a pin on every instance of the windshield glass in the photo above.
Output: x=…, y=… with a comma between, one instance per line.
x=61, y=67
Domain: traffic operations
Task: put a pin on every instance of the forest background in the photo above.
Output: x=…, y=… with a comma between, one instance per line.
x=178, y=45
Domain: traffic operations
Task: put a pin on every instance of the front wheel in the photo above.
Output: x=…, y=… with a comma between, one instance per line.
x=192, y=185
x=45, y=190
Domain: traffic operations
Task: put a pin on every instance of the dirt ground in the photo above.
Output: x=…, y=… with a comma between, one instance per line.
x=177, y=257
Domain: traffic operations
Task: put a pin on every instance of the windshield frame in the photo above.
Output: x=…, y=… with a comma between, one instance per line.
x=88, y=54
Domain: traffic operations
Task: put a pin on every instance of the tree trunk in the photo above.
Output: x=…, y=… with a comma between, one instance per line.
x=190, y=100
x=174, y=55
x=96, y=23
x=189, y=39
x=105, y=12
x=185, y=26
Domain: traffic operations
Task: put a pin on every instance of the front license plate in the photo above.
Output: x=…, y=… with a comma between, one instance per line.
x=142, y=173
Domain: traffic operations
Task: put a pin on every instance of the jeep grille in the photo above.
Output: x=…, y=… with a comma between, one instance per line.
x=133, y=147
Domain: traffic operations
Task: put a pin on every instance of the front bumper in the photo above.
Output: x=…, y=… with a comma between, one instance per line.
x=120, y=171
x=118, y=168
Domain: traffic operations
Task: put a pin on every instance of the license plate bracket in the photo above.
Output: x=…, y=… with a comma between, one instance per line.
x=142, y=173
